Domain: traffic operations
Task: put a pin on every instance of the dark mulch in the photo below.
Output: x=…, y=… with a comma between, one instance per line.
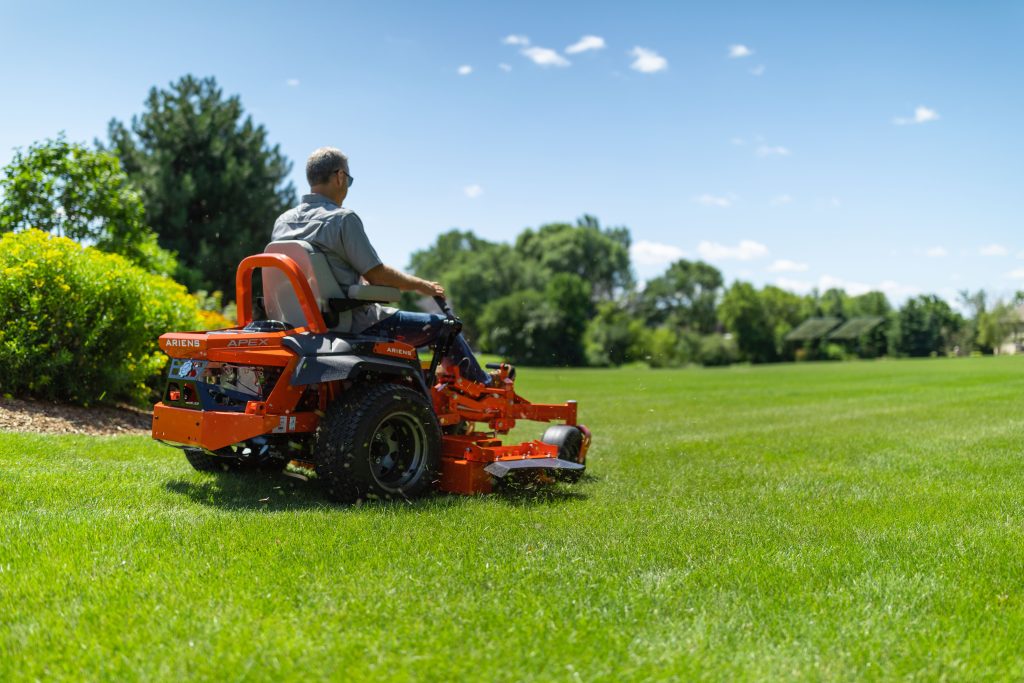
x=20, y=415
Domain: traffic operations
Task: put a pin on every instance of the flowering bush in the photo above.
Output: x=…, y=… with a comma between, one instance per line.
x=77, y=324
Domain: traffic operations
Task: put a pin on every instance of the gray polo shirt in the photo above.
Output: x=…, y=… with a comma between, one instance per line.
x=339, y=234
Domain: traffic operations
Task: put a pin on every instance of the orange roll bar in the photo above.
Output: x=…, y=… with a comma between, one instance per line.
x=243, y=288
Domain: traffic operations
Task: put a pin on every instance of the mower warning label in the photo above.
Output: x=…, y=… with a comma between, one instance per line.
x=284, y=424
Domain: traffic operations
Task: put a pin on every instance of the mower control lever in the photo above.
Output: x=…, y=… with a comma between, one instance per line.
x=452, y=327
x=442, y=303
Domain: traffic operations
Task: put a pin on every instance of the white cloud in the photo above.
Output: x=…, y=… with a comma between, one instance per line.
x=895, y=291
x=647, y=61
x=768, y=151
x=712, y=200
x=738, y=51
x=798, y=286
x=473, y=191
x=646, y=253
x=504, y=67
x=782, y=200
x=544, y=56
x=787, y=266
x=465, y=70
x=292, y=82
x=585, y=43
x=1016, y=274
x=746, y=250
x=994, y=250
x=851, y=287
x=516, y=40
x=921, y=115
x=738, y=141
x=758, y=70
x=935, y=252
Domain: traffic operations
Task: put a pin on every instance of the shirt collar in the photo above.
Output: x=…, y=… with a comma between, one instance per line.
x=316, y=198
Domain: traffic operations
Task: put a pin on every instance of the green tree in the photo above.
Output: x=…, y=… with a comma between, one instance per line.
x=684, y=296
x=539, y=328
x=834, y=303
x=782, y=312
x=744, y=315
x=976, y=306
x=613, y=336
x=873, y=343
x=869, y=303
x=69, y=190
x=599, y=256
x=211, y=183
x=996, y=325
x=925, y=325
x=475, y=272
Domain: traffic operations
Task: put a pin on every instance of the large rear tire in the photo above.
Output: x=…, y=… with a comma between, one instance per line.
x=569, y=440
x=378, y=441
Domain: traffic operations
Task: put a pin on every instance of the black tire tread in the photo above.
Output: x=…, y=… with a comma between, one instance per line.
x=339, y=430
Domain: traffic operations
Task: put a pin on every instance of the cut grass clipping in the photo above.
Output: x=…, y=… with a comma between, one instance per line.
x=855, y=520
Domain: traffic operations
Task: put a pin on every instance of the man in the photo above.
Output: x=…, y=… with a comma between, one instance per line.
x=337, y=232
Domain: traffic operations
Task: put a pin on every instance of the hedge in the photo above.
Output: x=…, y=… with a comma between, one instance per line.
x=80, y=325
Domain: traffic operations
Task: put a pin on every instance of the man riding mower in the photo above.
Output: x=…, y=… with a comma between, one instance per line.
x=329, y=382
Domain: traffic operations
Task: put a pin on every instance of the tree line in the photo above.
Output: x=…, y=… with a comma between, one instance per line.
x=565, y=294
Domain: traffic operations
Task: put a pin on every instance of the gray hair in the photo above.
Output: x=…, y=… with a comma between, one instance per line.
x=322, y=163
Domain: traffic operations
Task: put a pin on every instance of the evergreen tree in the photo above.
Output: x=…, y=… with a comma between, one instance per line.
x=211, y=183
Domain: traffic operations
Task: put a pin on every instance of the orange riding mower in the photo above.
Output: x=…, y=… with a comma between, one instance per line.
x=292, y=386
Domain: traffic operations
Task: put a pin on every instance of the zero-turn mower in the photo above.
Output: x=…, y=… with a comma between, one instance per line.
x=290, y=385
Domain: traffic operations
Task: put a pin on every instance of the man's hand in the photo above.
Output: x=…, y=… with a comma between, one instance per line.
x=431, y=288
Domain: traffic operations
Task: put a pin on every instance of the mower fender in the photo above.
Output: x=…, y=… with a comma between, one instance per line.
x=317, y=369
x=316, y=344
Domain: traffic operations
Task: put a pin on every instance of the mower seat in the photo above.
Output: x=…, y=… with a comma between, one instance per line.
x=334, y=301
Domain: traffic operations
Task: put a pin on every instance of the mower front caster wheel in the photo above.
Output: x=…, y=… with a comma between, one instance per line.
x=569, y=440
x=378, y=441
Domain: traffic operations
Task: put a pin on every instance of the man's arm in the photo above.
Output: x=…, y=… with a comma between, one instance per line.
x=391, y=277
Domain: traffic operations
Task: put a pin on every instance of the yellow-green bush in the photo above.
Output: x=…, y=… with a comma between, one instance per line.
x=77, y=324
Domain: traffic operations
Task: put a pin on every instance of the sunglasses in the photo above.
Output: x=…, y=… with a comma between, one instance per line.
x=350, y=178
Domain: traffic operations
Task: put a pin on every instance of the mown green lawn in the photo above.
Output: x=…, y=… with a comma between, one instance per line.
x=825, y=521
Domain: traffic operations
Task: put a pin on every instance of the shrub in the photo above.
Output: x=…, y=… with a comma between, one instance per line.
x=613, y=337
x=668, y=347
x=716, y=349
x=525, y=328
x=80, y=325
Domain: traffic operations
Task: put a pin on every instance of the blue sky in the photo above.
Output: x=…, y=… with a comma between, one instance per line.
x=865, y=145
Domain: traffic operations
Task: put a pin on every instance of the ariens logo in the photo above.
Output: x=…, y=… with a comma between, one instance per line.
x=183, y=342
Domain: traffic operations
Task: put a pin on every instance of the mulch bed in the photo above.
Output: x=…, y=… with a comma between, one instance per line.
x=17, y=415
